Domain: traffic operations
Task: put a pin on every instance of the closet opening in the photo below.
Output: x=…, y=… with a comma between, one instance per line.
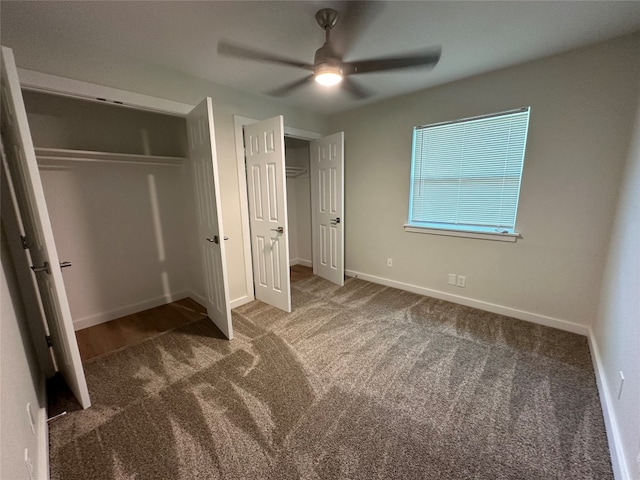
x=120, y=199
x=298, y=201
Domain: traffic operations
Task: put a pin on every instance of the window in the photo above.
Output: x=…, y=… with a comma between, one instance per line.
x=465, y=175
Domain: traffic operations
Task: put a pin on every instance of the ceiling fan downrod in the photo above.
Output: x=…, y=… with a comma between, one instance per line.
x=327, y=19
x=325, y=57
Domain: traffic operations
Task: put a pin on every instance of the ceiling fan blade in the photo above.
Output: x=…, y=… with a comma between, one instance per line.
x=353, y=18
x=288, y=88
x=355, y=89
x=239, y=51
x=426, y=59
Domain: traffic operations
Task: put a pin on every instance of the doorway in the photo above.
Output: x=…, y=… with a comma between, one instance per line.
x=262, y=163
x=298, y=201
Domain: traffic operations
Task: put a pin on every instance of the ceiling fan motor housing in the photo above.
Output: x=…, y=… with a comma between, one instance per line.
x=326, y=57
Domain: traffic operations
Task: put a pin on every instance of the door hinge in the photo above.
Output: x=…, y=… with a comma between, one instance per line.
x=49, y=341
x=25, y=242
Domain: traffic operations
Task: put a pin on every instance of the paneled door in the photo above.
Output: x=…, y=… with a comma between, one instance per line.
x=23, y=168
x=266, y=188
x=206, y=185
x=327, y=190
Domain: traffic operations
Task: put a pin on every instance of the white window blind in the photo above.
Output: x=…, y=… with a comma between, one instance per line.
x=465, y=175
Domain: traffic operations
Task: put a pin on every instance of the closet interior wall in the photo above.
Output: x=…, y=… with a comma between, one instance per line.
x=127, y=226
x=299, y=201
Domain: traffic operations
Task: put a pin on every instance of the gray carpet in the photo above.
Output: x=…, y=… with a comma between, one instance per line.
x=359, y=382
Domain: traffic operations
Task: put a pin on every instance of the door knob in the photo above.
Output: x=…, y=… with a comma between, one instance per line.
x=279, y=230
x=215, y=240
x=47, y=268
x=44, y=268
x=335, y=221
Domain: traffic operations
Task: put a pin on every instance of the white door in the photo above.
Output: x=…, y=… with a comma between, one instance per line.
x=266, y=187
x=206, y=185
x=327, y=206
x=23, y=168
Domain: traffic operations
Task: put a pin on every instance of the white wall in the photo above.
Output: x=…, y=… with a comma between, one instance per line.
x=616, y=331
x=582, y=105
x=62, y=122
x=292, y=214
x=299, y=207
x=83, y=63
x=21, y=382
x=122, y=226
x=303, y=216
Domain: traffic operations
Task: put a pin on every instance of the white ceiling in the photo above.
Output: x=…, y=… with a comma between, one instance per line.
x=475, y=36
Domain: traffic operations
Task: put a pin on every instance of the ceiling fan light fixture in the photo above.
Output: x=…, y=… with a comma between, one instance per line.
x=328, y=75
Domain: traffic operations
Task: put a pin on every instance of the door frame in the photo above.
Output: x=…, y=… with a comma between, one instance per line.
x=239, y=122
x=68, y=87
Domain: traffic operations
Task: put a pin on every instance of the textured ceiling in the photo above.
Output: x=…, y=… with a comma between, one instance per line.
x=475, y=37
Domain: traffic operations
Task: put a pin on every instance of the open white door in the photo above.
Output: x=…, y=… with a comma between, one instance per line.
x=206, y=185
x=327, y=206
x=266, y=188
x=23, y=168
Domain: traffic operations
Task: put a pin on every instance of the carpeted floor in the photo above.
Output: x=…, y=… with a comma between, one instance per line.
x=359, y=382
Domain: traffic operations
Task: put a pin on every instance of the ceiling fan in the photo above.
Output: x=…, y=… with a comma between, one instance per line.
x=328, y=68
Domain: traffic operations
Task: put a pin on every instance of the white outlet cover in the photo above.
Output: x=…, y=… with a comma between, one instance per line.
x=28, y=463
x=452, y=279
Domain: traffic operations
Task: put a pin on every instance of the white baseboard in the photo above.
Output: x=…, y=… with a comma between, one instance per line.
x=102, y=317
x=43, y=433
x=300, y=261
x=479, y=304
x=238, y=302
x=197, y=297
x=620, y=471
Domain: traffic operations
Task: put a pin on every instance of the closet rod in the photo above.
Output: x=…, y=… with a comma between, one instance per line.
x=293, y=172
x=52, y=155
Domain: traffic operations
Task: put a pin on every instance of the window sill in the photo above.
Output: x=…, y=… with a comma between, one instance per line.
x=500, y=237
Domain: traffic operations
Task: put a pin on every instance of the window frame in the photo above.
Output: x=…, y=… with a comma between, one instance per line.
x=465, y=230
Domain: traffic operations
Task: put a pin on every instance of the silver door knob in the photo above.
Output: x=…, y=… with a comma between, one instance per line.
x=215, y=240
x=279, y=229
x=335, y=221
x=44, y=268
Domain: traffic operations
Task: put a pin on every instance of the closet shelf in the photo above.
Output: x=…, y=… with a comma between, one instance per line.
x=293, y=172
x=54, y=155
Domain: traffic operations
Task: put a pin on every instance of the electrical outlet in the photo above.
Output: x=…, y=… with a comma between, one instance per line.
x=452, y=279
x=462, y=281
x=389, y=262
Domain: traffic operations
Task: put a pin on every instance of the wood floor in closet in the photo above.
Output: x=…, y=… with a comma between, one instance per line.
x=110, y=336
